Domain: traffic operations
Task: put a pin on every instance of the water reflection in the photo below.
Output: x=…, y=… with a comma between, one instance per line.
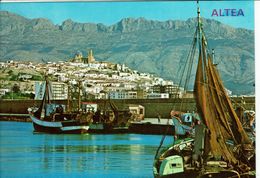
x=58, y=153
x=76, y=155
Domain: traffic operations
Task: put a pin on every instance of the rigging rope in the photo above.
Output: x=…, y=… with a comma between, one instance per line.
x=189, y=62
x=184, y=72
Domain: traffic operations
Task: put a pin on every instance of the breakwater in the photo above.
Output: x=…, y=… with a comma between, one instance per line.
x=152, y=106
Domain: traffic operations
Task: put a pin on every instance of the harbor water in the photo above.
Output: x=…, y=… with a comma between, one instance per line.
x=27, y=154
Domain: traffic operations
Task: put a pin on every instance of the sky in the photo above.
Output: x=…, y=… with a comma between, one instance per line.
x=110, y=13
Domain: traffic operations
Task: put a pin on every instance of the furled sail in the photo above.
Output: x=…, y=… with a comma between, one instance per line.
x=207, y=109
x=215, y=108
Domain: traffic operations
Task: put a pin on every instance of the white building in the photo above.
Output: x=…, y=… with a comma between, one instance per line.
x=123, y=95
x=3, y=91
x=58, y=91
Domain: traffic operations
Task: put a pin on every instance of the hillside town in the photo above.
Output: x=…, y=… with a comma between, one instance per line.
x=97, y=80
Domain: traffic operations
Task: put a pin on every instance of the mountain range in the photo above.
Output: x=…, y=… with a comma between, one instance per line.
x=158, y=47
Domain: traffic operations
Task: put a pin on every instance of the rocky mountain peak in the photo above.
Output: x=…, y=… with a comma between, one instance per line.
x=145, y=45
x=67, y=25
x=42, y=24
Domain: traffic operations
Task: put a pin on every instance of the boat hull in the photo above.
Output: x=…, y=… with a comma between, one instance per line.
x=63, y=127
x=192, y=174
x=102, y=128
x=147, y=128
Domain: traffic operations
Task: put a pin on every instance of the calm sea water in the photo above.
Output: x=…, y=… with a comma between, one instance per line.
x=25, y=154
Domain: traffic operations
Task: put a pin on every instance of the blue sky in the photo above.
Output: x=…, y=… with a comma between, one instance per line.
x=111, y=12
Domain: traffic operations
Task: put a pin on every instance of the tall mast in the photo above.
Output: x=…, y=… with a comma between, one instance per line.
x=69, y=97
x=199, y=20
x=199, y=27
x=79, y=95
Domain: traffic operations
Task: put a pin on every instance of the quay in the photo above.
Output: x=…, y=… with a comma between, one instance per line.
x=15, y=117
x=152, y=126
x=16, y=110
x=152, y=106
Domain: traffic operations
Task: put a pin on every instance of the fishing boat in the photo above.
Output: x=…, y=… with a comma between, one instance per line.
x=52, y=117
x=221, y=147
x=110, y=119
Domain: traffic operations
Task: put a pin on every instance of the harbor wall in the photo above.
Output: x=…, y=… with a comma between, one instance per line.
x=153, y=107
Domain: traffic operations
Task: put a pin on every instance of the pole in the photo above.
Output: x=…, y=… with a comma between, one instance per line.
x=79, y=99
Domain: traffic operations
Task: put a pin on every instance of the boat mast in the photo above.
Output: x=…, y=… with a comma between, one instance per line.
x=79, y=99
x=69, y=97
x=46, y=95
x=47, y=90
x=199, y=23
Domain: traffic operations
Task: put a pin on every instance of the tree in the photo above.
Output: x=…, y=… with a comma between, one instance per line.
x=32, y=96
x=10, y=72
x=16, y=88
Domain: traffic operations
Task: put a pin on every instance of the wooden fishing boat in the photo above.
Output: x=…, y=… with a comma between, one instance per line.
x=111, y=120
x=221, y=146
x=52, y=118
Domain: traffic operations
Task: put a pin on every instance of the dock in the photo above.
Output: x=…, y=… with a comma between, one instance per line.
x=15, y=117
x=152, y=126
